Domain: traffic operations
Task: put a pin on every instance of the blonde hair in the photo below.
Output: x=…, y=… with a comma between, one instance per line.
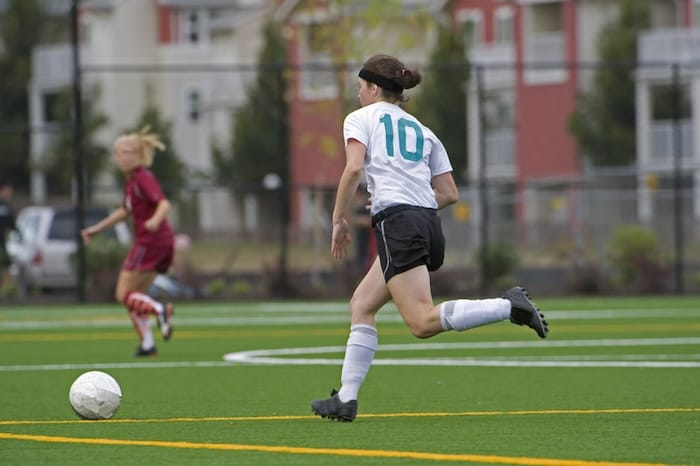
x=146, y=144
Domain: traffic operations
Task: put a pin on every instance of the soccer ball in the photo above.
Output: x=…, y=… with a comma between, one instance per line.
x=95, y=395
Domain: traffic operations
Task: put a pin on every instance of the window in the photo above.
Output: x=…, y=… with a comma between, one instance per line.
x=63, y=224
x=52, y=107
x=193, y=26
x=545, y=43
x=194, y=106
x=317, y=76
x=471, y=21
x=504, y=23
x=663, y=102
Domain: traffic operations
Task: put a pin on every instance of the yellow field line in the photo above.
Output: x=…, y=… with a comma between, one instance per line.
x=465, y=458
x=365, y=416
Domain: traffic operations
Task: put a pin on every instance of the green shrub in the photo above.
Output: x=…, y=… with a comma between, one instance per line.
x=635, y=260
x=498, y=260
x=216, y=287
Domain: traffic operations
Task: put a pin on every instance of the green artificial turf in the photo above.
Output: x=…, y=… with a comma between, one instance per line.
x=616, y=382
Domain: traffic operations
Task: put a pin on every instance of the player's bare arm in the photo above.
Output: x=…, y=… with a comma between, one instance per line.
x=158, y=216
x=446, y=192
x=115, y=217
x=349, y=181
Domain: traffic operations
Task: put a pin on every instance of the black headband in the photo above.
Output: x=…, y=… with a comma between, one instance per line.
x=381, y=81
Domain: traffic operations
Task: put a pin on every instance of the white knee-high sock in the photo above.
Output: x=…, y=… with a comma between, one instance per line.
x=463, y=314
x=144, y=324
x=359, y=353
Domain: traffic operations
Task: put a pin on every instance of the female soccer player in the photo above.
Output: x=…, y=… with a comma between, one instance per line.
x=409, y=178
x=152, y=251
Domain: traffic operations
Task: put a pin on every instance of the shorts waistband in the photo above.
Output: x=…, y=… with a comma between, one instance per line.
x=379, y=216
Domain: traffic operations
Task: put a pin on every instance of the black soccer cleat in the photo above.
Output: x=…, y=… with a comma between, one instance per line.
x=164, y=321
x=140, y=352
x=333, y=408
x=524, y=312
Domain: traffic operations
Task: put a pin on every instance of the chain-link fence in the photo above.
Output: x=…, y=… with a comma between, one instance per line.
x=538, y=141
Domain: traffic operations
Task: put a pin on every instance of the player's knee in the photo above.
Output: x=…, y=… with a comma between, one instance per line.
x=358, y=307
x=420, y=328
x=420, y=332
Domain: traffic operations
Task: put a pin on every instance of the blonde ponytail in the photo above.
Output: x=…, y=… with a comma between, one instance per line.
x=148, y=143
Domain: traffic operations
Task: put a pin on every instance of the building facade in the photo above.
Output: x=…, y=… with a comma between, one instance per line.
x=532, y=59
x=191, y=59
x=194, y=58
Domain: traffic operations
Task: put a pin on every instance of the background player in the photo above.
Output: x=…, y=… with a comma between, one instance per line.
x=153, y=248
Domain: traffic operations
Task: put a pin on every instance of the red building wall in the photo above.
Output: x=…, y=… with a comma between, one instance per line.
x=317, y=151
x=545, y=148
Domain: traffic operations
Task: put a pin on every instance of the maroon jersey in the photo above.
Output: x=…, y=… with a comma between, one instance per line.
x=141, y=196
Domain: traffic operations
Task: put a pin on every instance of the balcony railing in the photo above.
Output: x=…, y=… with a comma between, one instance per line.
x=545, y=54
x=500, y=152
x=52, y=65
x=497, y=60
x=670, y=46
x=662, y=141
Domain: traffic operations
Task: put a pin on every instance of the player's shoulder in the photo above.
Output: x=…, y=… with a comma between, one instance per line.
x=358, y=114
x=143, y=173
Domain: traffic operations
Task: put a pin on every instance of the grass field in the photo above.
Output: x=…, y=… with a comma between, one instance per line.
x=617, y=382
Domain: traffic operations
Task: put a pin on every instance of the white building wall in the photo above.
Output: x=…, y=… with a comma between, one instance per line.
x=231, y=39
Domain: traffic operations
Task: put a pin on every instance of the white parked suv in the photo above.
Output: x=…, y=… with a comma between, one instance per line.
x=41, y=251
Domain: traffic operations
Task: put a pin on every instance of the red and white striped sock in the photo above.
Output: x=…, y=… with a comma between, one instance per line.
x=140, y=302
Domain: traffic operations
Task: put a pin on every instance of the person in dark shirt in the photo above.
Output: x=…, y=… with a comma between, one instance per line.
x=7, y=224
x=153, y=249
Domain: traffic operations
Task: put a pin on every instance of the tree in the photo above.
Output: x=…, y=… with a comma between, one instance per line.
x=58, y=163
x=21, y=26
x=167, y=166
x=259, y=145
x=604, y=122
x=442, y=101
x=344, y=33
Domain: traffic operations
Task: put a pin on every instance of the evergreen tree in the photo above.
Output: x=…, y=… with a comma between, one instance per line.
x=604, y=122
x=441, y=103
x=21, y=26
x=260, y=131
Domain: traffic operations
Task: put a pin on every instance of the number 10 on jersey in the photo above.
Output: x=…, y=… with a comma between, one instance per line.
x=407, y=130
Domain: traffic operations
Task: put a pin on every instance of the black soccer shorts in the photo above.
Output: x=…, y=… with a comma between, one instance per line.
x=408, y=237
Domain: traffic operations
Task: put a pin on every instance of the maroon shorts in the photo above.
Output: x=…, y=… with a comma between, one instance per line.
x=158, y=258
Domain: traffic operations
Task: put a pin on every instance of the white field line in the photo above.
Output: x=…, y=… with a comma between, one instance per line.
x=279, y=356
x=271, y=356
x=318, y=314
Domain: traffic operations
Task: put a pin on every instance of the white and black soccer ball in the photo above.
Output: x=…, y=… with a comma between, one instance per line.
x=95, y=395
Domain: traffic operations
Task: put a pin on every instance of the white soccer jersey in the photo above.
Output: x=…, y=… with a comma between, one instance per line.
x=402, y=155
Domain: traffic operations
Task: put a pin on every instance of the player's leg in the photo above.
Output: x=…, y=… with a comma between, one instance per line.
x=411, y=293
x=369, y=296
x=131, y=285
x=146, y=263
